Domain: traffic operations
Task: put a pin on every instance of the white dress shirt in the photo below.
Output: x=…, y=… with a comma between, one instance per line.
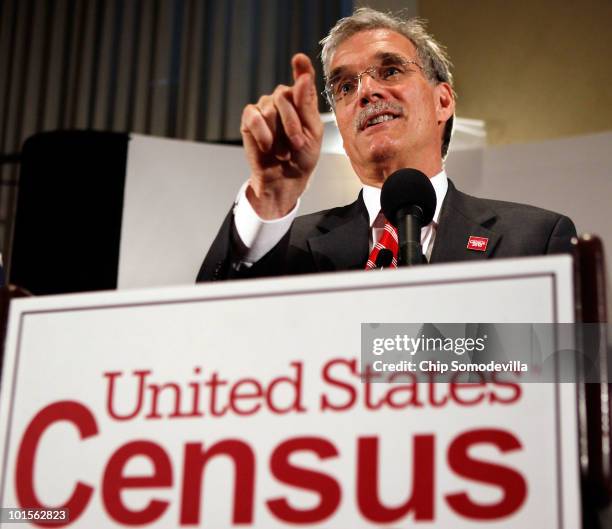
x=259, y=236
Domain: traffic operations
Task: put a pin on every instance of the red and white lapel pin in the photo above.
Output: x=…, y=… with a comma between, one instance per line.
x=477, y=243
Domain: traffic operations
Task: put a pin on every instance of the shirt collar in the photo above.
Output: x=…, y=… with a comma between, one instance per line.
x=371, y=196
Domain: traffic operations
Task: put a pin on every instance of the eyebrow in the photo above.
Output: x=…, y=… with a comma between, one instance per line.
x=384, y=57
x=336, y=73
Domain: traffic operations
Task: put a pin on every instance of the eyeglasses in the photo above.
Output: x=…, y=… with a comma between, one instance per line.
x=344, y=87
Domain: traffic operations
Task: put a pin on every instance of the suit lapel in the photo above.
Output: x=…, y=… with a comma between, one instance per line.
x=343, y=240
x=461, y=217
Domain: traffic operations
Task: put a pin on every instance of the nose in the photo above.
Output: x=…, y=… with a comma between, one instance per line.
x=368, y=89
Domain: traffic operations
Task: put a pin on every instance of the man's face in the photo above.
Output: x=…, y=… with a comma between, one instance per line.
x=418, y=107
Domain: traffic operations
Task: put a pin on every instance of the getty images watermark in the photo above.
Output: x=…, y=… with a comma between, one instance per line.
x=526, y=352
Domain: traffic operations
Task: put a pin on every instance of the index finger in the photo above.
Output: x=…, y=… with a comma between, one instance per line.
x=305, y=91
x=301, y=64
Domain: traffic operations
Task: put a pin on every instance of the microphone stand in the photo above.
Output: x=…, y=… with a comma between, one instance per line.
x=409, y=224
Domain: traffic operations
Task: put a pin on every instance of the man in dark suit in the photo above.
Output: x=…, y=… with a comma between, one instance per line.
x=389, y=84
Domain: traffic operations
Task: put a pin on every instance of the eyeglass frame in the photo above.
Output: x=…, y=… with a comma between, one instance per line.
x=328, y=94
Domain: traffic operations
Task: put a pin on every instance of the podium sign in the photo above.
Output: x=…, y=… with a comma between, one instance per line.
x=241, y=404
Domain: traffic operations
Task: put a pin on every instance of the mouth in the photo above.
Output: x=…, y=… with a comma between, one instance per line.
x=383, y=117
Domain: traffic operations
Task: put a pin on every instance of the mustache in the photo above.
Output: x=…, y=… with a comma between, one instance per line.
x=376, y=108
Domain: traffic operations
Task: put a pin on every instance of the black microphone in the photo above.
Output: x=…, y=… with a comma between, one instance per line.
x=408, y=201
x=384, y=258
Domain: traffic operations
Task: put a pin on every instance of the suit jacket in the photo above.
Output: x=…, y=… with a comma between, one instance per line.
x=338, y=238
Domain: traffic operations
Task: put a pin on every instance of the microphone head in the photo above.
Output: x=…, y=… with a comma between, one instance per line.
x=407, y=188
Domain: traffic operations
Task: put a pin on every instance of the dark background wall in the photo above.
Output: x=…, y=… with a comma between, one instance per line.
x=174, y=68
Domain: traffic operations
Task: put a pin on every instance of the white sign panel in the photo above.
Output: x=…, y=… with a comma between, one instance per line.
x=241, y=404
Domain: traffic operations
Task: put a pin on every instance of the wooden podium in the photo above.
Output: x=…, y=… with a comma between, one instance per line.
x=245, y=404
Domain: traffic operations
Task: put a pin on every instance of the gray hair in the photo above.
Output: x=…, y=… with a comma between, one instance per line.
x=434, y=59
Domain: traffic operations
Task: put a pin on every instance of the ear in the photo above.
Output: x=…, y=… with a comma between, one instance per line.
x=444, y=101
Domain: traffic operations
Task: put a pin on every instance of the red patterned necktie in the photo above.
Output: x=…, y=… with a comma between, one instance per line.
x=387, y=241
